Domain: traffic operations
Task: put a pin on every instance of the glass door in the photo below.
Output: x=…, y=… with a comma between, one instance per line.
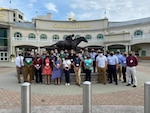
x=3, y=56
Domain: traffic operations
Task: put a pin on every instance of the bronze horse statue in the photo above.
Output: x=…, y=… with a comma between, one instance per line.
x=70, y=43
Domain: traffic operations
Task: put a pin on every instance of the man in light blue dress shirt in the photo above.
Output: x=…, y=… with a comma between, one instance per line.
x=92, y=55
x=112, y=66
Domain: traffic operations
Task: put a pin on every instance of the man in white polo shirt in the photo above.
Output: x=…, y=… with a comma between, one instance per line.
x=101, y=64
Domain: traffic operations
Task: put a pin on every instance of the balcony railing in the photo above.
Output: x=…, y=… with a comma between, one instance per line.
x=105, y=39
x=144, y=36
x=22, y=39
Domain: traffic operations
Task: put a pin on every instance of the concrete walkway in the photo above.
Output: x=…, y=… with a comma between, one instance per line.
x=61, y=99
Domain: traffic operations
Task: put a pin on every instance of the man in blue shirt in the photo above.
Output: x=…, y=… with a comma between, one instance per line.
x=119, y=56
x=123, y=63
x=92, y=55
x=112, y=66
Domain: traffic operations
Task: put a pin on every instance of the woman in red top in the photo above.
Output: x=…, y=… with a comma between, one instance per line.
x=47, y=70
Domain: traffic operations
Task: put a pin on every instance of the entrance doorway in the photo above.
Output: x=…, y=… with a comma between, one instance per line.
x=115, y=47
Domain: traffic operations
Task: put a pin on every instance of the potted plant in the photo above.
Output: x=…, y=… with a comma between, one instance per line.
x=12, y=57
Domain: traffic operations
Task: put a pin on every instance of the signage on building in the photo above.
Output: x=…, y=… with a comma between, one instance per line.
x=71, y=26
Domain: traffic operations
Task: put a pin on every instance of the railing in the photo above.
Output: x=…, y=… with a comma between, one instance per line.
x=22, y=39
x=144, y=36
x=106, y=38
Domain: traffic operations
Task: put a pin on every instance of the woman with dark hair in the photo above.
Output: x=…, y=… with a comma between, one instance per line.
x=66, y=67
x=38, y=69
x=47, y=70
x=57, y=70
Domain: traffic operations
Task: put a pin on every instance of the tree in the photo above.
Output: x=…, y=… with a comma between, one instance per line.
x=136, y=49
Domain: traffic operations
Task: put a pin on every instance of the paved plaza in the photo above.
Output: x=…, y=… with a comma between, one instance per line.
x=108, y=98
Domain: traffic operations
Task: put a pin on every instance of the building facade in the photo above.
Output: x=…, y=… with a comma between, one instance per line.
x=17, y=34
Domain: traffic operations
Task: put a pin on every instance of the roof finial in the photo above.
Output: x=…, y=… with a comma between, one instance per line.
x=105, y=14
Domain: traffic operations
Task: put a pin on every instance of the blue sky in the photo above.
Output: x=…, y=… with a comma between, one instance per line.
x=115, y=10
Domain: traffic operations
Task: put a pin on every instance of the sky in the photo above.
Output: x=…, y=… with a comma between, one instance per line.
x=114, y=10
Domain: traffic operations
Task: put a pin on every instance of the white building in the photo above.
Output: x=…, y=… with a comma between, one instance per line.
x=17, y=34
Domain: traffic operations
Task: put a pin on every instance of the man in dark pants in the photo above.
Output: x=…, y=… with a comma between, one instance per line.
x=112, y=66
x=28, y=68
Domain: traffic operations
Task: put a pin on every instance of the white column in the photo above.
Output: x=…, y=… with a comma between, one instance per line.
x=10, y=41
x=38, y=49
x=106, y=48
x=127, y=49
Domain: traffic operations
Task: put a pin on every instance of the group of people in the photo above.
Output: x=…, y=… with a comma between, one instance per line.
x=114, y=64
x=52, y=65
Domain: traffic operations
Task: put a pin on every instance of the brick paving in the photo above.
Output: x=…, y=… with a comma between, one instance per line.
x=132, y=96
x=135, y=97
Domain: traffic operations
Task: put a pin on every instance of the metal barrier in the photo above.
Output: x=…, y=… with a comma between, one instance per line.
x=147, y=97
x=26, y=98
x=87, y=97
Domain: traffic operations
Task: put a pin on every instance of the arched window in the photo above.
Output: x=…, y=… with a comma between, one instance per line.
x=43, y=37
x=31, y=36
x=77, y=36
x=64, y=38
x=17, y=34
x=100, y=36
x=138, y=33
x=88, y=37
x=55, y=37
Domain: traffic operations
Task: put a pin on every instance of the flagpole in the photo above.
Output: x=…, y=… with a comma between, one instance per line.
x=105, y=14
x=9, y=4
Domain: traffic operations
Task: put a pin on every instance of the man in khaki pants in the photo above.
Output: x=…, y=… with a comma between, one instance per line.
x=77, y=63
x=101, y=64
x=28, y=68
x=119, y=70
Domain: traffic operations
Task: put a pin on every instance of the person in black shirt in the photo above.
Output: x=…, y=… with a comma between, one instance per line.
x=72, y=57
x=77, y=63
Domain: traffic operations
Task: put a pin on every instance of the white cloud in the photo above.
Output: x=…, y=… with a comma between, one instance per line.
x=118, y=10
x=51, y=7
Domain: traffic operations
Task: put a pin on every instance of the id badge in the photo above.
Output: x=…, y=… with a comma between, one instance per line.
x=57, y=64
x=77, y=64
x=47, y=64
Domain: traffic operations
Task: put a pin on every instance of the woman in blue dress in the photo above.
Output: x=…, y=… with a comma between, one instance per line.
x=57, y=70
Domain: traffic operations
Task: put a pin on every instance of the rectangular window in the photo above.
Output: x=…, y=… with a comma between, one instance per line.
x=3, y=33
x=3, y=42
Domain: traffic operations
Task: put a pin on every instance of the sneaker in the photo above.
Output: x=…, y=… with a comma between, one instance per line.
x=68, y=84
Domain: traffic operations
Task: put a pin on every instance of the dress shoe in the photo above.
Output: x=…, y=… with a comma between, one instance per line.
x=128, y=85
x=134, y=86
x=123, y=82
